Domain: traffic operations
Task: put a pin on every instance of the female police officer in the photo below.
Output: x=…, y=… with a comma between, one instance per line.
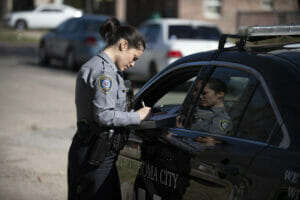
x=101, y=110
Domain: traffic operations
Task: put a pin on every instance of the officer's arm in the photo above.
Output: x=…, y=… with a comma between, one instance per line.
x=104, y=104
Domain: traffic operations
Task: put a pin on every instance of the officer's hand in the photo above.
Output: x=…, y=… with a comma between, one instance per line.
x=209, y=141
x=144, y=112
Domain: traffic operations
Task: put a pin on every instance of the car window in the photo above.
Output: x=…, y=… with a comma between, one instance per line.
x=243, y=110
x=193, y=32
x=70, y=26
x=50, y=10
x=221, y=110
x=259, y=119
x=170, y=90
x=73, y=26
x=176, y=95
x=62, y=26
x=92, y=25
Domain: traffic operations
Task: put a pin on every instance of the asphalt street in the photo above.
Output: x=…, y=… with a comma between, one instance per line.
x=37, y=122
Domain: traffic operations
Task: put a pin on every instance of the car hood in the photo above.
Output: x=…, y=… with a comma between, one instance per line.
x=187, y=47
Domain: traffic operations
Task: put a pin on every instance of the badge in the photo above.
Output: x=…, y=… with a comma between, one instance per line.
x=223, y=124
x=105, y=84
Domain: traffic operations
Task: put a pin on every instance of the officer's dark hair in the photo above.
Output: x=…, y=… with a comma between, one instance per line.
x=112, y=31
x=217, y=85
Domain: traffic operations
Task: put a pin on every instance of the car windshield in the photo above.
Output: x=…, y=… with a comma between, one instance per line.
x=92, y=25
x=193, y=32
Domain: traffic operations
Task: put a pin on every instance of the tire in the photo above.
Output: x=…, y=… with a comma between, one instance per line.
x=43, y=57
x=21, y=25
x=70, y=60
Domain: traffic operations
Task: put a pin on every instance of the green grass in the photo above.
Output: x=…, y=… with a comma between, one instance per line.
x=27, y=36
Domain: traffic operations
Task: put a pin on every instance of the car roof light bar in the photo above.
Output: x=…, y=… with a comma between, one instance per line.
x=271, y=30
x=237, y=39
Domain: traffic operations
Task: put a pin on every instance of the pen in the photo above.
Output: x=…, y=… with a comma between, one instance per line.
x=143, y=103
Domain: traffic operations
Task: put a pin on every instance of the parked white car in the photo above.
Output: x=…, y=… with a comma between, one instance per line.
x=44, y=16
x=168, y=39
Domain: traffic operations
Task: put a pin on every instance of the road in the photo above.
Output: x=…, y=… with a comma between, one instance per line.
x=37, y=122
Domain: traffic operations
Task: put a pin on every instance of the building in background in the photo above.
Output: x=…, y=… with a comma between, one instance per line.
x=229, y=15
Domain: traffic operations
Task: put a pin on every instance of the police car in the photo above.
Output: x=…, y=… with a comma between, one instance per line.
x=258, y=158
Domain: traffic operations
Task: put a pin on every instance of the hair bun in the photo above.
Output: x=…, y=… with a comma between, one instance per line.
x=109, y=28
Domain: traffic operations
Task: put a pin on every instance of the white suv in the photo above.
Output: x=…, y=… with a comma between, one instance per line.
x=169, y=39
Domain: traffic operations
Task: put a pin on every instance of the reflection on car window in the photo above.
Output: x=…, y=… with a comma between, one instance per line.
x=243, y=112
x=193, y=32
x=210, y=114
x=259, y=119
x=239, y=89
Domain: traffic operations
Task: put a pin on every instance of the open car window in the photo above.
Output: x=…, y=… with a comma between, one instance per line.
x=170, y=91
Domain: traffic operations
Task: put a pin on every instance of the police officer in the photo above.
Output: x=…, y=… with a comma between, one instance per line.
x=213, y=120
x=211, y=115
x=101, y=113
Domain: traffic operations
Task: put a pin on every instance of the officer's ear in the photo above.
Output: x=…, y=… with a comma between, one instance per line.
x=123, y=45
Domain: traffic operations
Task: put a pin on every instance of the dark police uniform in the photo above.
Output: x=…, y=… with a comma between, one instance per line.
x=101, y=103
x=214, y=120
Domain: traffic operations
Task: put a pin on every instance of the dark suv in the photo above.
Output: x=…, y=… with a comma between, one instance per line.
x=253, y=153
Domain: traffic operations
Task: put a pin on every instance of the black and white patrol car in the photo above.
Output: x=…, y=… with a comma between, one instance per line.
x=259, y=158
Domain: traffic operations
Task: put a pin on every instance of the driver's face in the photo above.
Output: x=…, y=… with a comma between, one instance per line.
x=210, y=98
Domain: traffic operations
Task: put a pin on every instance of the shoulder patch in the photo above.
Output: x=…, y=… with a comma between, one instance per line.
x=223, y=124
x=105, y=83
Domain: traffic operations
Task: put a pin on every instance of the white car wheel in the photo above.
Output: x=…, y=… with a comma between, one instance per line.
x=21, y=25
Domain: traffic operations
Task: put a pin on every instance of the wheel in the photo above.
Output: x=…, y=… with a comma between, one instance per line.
x=70, y=60
x=21, y=25
x=43, y=57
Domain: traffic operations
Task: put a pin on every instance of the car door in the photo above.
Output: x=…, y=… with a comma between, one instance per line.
x=165, y=95
x=274, y=172
x=216, y=171
x=218, y=168
x=65, y=38
x=243, y=155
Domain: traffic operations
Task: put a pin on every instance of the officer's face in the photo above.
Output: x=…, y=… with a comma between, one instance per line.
x=210, y=98
x=128, y=57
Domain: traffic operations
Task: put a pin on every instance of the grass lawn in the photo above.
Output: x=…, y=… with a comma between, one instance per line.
x=15, y=36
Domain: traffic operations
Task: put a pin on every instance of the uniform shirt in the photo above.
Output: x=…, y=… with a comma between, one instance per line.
x=214, y=120
x=100, y=94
